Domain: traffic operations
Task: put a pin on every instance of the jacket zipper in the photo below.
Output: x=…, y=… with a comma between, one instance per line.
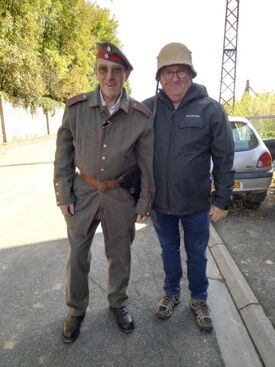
x=168, y=159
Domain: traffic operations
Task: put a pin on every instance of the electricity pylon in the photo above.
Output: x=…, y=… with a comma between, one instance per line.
x=229, y=58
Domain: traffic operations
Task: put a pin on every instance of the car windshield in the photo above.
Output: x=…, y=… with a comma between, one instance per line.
x=244, y=137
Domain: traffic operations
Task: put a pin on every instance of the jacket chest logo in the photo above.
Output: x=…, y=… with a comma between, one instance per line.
x=193, y=116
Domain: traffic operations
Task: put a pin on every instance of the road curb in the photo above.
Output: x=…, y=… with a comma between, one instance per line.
x=257, y=323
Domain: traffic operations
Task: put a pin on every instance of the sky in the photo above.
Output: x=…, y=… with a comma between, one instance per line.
x=146, y=26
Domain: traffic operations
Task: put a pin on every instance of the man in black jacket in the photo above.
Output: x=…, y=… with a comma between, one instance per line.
x=190, y=130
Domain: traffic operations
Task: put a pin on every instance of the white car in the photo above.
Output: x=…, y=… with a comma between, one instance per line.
x=252, y=162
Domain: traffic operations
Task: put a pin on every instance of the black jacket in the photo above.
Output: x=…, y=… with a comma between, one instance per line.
x=186, y=139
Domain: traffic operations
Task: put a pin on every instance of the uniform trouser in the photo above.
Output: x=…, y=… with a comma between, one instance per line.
x=118, y=254
x=196, y=236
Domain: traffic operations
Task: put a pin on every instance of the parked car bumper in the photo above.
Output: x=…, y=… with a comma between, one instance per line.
x=252, y=181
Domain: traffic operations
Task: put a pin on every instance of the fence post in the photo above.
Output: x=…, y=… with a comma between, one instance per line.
x=4, y=136
x=47, y=122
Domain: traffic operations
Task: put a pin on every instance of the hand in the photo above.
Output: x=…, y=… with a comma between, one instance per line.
x=67, y=210
x=141, y=218
x=217, y=214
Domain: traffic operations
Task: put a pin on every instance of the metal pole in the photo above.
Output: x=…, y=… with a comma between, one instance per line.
x=4, y=136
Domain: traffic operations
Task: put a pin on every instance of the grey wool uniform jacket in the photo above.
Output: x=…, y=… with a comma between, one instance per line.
x=103, y=146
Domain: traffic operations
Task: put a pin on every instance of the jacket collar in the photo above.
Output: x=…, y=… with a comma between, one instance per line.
x=196, y=91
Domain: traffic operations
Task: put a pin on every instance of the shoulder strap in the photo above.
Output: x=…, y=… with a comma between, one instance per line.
x=140, y=107
x=76, y=99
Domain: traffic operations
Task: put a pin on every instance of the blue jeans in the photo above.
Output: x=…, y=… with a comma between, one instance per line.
x=196, y=236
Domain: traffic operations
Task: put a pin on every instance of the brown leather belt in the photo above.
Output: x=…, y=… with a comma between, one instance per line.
x=99, y=185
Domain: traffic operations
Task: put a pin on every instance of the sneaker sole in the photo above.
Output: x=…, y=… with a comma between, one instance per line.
x=208, y=329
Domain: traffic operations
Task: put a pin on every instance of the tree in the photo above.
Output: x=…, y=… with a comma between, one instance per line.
x=20, y=63
x=259, y=105
x=47, y=47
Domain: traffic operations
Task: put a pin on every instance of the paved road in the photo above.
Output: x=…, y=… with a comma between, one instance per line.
x=33, y=255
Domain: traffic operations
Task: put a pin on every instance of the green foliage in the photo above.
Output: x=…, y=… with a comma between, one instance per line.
x=47, y=48
x=259, y=105
x=47, y=104
x=265, y=127
x=20, y=64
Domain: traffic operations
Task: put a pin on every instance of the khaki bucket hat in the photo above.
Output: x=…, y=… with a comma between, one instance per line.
x=172, y=54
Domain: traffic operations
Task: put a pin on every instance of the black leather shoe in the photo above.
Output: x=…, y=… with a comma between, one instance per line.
x=124, y=319
x=71, y=328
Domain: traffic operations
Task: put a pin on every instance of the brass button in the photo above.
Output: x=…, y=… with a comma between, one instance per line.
x=56, y=184
x=57, y=193
x=103, y=158
x=104, y=145
x=101, y=169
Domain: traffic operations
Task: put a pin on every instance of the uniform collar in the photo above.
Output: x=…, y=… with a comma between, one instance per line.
x=123, y=103
x=113, y=108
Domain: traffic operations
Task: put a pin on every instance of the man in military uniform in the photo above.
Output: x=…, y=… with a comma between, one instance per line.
x=103, y=134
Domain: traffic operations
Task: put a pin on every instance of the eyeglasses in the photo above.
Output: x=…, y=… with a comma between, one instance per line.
x=169, y=74
x=115, y=71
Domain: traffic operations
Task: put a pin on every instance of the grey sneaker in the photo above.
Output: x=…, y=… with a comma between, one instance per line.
x=166, y=306
x=200, y=309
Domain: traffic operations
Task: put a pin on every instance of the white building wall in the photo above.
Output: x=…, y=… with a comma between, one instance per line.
x=21, y=124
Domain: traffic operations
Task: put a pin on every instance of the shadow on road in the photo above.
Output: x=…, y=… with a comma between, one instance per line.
x=32, y=312
x=25, y=164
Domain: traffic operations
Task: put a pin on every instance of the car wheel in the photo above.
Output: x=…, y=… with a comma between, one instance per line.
x=251, y=205
x=253, y=200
